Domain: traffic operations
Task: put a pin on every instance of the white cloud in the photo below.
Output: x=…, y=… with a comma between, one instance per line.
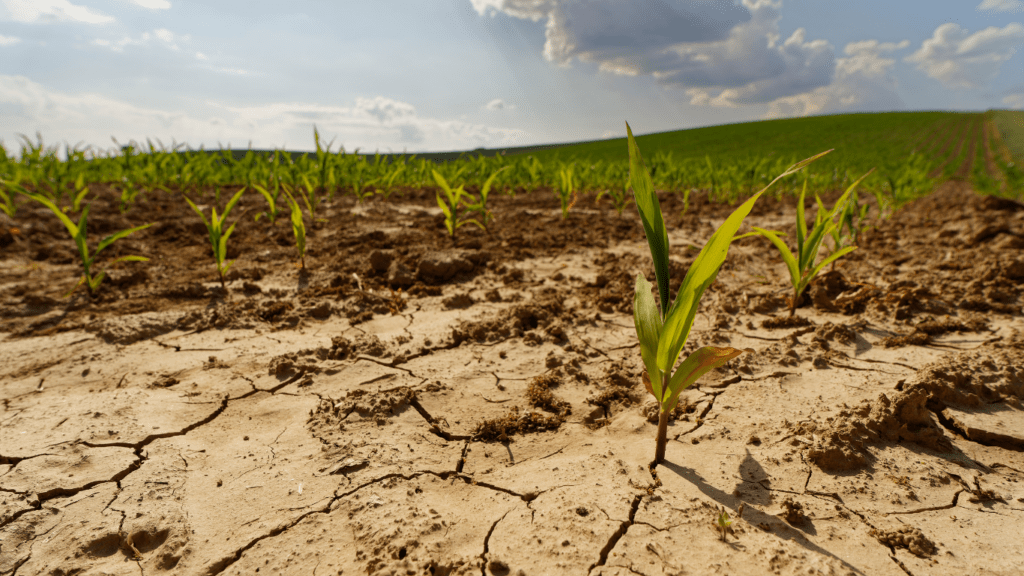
x=718, y=51
x=1015, y=101
x=152, y=4
x=498, y=104
x=27, y=106
x=168, y=38
x=863, y=83
x=962, y=60
x=1002, y=5
x=8, y=40
x=201, y=56
x=48, y=11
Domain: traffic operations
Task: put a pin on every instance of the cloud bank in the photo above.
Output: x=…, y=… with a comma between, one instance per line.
x=371, y=123
x=959, y=59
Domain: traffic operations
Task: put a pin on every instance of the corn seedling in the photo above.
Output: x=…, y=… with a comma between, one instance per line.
x=566, y=194
x=801, y=266
x=218, y=236
x=129, y=192
x=78, y=234
x=80, y=191
x=450, y=204
x=479, y=205
x=724, y=523
x=852, y=221
x=7, y=205
x=298, y=226
x=311, y=198
x=663, y=331
x=271, y=212
x=620, y=198
x=389, y=182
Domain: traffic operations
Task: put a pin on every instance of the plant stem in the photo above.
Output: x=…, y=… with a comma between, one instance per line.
x=792, y=304
x=659, y=452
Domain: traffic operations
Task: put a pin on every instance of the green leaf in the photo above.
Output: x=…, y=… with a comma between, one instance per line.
x=650, y=216
x=270, y=199
x=787, y=256
x=471, y=221
x=444, y=207
x=647, y=320
x=71, y=226
x=224, y=241
x=700, y=275
x=831, y=258
x=485, y=190
x=117, y=236
x=696, y=365
x=231, y=203
x=77, y=203
x=801, y=222
x=129, y=259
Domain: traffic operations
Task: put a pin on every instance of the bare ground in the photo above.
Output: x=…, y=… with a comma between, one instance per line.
x=489, y=418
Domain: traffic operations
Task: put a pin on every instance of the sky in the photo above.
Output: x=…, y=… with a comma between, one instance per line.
x=448, y=75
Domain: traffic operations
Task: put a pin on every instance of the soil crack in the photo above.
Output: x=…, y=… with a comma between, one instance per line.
x=618, y=534
x=487, y=541
x=952, y=504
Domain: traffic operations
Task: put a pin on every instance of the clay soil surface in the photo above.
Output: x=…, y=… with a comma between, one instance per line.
x=410, y=405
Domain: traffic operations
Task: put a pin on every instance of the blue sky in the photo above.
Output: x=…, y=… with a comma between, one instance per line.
x=440, y=75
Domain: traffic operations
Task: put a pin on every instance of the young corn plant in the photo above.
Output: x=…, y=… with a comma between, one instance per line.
x=479, y=205
x=724, y=523
x=566, y=194
x=852, y=221
x=663, y=331
x=389, y=182
x=78, y=234
x=620, y=198
x=298, y=226
x=272, y=211
x=218, y=236
x=801, y=265
x=7, y=205
x=450, y=203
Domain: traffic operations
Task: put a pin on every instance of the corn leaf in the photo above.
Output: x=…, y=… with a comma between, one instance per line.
x=71, y=226
x=117, y=236
x=787, y=256
x=696, y=365
x=801, y=222
x=650, y=215
x=700, y=275
x=647, y=320
x=831, y=258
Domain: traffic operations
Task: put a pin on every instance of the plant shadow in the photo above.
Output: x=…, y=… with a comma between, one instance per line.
x=754, y=516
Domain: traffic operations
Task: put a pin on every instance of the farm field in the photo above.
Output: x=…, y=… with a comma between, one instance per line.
x=401, y=400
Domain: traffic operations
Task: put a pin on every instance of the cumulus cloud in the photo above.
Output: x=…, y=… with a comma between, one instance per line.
x=162, y=35
x=959, y=59
x=498, y=104
x=1002, y=5
x=863, y=83
x=153, y=4
x=48, y=11
x=371, y=123
x=8, y=40
x=718, y=51
x=1015, y=101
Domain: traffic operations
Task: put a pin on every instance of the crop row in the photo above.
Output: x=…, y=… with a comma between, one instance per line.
x=910, y=161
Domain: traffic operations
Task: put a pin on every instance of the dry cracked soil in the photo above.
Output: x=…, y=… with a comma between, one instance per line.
x=407, y=404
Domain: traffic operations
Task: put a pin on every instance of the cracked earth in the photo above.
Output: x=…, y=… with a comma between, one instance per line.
x=412, y=405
